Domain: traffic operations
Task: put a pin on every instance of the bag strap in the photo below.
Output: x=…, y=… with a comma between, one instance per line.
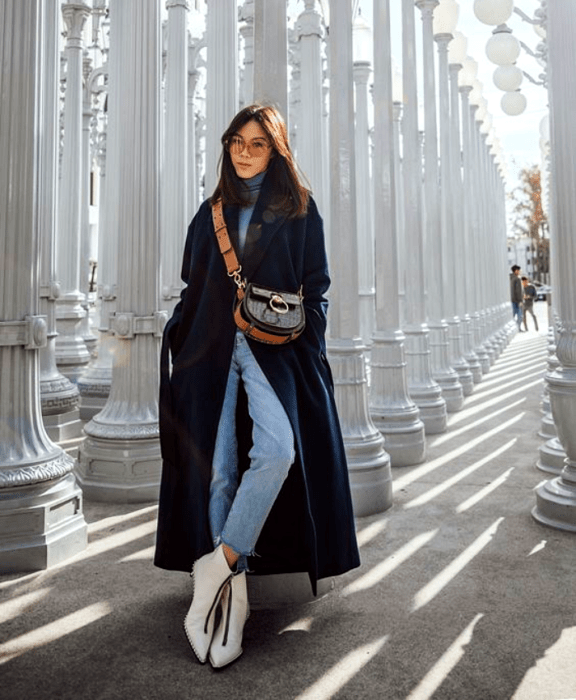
x=233, y=267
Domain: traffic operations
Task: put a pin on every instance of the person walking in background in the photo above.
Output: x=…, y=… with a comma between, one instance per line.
x=254, y=475
x=530, y=295
x=516, y=295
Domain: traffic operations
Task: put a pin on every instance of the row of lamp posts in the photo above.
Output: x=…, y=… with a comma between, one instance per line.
x=429, y=345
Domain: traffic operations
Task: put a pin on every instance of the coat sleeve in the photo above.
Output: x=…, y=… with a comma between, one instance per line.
x=316, y=280
x=171, y=329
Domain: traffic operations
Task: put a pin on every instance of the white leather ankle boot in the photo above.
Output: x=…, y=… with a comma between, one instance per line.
x=211, y=575
x=227, y=642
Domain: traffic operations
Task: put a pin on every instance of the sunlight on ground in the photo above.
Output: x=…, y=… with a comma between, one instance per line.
x=337, y=677
x=554, y=669
x=20, y=605
x=443, y=439
x=118, y=539
x=433, y=464
x=304, y=624
x=114, y=520
x=439, y=582
x=445, y=485
x=383, y=568
x=523, y=388
x=370, y=532
x=539, y=547
x=53, y=631
x=147, y=553
x=442, y=668
x=477, y=497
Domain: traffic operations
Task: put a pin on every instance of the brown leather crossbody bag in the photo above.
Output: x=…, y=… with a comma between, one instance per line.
x=267, y=315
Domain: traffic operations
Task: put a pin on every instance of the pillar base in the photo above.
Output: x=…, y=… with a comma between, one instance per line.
x=119, y=470
x=393, y=413
x=279, y=590
x=422, y=388
x=403, y=433
x=465, y=376
x=475, y=366
x=552, y=456
x=63, y=426
x=556, y=505
x=547, y=426
x=90, y=406
x=42, y=525
x=483, y=358
x=368, y=464
x=452, y=390
x=370, y=474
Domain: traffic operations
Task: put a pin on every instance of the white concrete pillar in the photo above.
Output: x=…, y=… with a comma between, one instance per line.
x=221, y=81
x=194, y=46
x=174, y=185
x=94, y=384
x=59, y=396
x=72, y=355
x=90, y=340
x=475, y=233
x=40, y=503
x=247, y=33
x=311, y=152
x=394, y=413
x=423, y=388
x=295, y=99
x=368, y=463
x=551, y=455
x=556, y=499
x=364, y=220
x=120, y=459
x=271, y=54
x=456, y=323
x=466, y=232
x=450, y=202
x=435, y=243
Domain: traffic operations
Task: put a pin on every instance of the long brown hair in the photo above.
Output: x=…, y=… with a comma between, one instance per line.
x=292, y=196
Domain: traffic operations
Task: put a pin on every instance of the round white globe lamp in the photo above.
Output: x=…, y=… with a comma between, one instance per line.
x=397, y=87
x=445, y=17
x=508, y=78
x=468, y=73
x=482, y=112
x=475, y=95
x=513, y=103
x=493, y=11
x=457, y=48
x=361, y=40
x=545, y=127
x=502, y=47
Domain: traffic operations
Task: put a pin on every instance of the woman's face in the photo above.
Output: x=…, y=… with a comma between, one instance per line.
x=250, y=150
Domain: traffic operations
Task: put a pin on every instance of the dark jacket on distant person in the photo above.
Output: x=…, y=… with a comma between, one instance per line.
x=516, y=289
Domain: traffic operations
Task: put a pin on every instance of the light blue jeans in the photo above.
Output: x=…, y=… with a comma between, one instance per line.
x=238, y=509
x=517, y=312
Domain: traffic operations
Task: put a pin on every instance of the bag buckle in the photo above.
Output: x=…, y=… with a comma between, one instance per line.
x=278, y=304
x=235, y=274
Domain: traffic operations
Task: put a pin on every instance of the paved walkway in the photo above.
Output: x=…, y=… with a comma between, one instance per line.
x=461, y=594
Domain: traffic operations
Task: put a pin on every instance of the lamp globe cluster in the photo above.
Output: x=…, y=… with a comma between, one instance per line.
x=503, y=49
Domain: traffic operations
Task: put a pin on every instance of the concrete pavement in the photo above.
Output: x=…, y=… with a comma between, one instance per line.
x=461, y=595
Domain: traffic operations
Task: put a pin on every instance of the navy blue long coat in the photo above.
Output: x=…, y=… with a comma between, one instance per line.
x=311, y=525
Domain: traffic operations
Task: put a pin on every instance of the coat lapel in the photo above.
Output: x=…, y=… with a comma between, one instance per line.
x=265, y=222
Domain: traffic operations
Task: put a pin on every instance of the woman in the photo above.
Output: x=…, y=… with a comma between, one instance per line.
x=254, y=470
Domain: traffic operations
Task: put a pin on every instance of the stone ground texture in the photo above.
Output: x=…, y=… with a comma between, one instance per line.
x=461, y=595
